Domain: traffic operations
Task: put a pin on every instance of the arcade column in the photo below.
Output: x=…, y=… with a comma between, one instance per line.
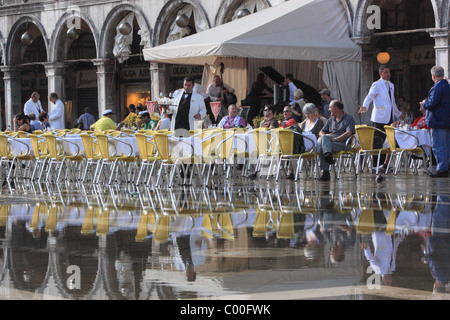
x=13, y=94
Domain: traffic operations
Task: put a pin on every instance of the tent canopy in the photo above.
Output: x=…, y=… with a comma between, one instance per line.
x=315, y=30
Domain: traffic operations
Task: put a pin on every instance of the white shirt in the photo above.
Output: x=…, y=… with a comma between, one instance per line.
x=56, y=116
x=165, y=124
x=292, y=89
x=214, y=92
x=199, y=89
x=33, y=107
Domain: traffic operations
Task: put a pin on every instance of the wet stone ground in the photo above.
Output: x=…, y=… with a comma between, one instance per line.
x=243, y=239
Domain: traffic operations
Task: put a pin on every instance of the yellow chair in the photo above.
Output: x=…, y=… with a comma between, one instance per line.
x=148, y=155
x=260, y=224
x=366, y=152
x=92, y=155
x=263, y=141
x=22, y=134
x=285, y=228
x=366, y=222
x=59, y=158
x=398, y=153
x=41, y=154
x=161, y=234
x=115, y=161
x=14, y=162
x=161, y=142
x=349, y=154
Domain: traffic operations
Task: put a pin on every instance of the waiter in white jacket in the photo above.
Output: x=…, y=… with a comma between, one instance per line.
x=187, y=107
x=385, y=110
x=56, y=116
x=33, y=105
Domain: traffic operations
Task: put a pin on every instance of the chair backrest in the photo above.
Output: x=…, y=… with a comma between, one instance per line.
x=283, y=142
x=262, y=139
x=23, y=134
x=162, y=144
x=141, y=140
x=365, y=136
x=3, y=145
x=39, y=148
x=52, y=148
x=113, y=133
x=225, y=147
x=103, y=144
x=390, y=134
x=90, y=148
x=210, y=141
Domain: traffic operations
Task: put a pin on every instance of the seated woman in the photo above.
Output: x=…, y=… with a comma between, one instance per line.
x=21, y=123
x=164, y=123
x=312, y=124
x=232, y=120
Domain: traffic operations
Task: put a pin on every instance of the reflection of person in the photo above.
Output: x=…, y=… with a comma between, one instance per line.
x=56, y=116
x=33, y=105
x=184, y=249
x=339, y=127
x=385, y=111
x=438, y=245
x=187, y=107
x=106, y=122
x=232, y=120
x=253, y=99
x=438, y=119
x=86, y=119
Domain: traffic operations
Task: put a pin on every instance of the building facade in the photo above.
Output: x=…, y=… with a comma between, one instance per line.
x=90, y=52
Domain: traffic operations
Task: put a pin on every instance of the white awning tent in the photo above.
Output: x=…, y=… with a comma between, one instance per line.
x=308, y=30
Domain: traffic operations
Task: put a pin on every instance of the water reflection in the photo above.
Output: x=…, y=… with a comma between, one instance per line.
x=138, y=243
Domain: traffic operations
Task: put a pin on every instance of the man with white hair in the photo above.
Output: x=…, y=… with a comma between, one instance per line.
x=438, y=119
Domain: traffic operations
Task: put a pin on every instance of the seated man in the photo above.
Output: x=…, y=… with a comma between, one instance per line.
x=289, y=120
x=144, y=122
x=106, y=122
x=232, y=120
x=339, y=127
x=269, y=121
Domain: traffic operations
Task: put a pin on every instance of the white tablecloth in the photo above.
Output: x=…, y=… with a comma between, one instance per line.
x=405, y=141
x=19, y=148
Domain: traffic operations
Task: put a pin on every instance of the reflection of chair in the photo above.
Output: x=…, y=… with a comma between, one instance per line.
x=390, y=228
x=142, y=231
x=260, y=224
x=88, y=223
x=365, y=136
x=161, y=234
x=52, y=217
x=366, y=222
x=225, y=226
x=348, y=155
x=399, y=153
x=285, y=228
x=103, y=223
x=4, y=211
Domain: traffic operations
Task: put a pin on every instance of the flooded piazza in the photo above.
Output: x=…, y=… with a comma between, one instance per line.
x=246, y=240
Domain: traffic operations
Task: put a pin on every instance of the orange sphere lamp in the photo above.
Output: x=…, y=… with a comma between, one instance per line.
x=383, y=57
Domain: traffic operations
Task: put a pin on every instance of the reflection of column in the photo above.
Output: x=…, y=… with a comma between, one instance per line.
x=441, y=38
x=13, y=94
x=159, y=80
x=105, y=83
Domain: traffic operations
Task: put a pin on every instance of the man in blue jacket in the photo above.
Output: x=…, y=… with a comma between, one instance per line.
x=438, y=119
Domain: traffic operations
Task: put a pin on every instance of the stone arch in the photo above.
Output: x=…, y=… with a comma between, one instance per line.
x=359, y=28
x=228, y=7
x=56, y=42
x=168, y=14
x=112, y=19
x=14, y=38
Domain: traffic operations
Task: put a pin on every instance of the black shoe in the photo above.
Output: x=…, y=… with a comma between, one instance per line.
x=328, y=157
x=325, y=176
x=439, y=174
